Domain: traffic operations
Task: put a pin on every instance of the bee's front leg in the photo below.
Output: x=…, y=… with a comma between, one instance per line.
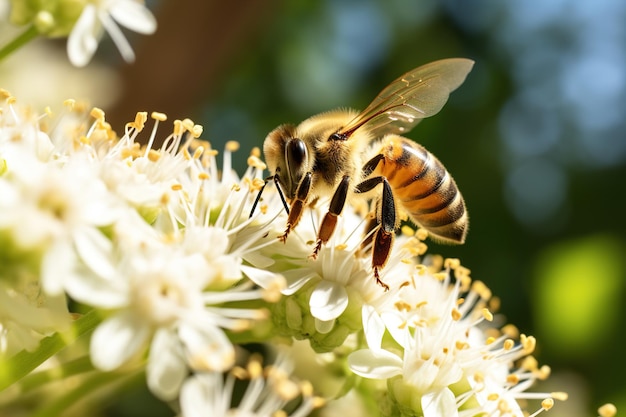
x=297, y=205
x=327, y=228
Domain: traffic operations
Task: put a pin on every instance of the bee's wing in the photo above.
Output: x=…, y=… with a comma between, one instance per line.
x=418, y=94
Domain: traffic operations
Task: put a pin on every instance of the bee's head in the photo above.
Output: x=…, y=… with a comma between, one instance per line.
x=287, y=156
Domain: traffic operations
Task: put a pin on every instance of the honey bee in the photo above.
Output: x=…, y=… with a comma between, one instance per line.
x=327, y=156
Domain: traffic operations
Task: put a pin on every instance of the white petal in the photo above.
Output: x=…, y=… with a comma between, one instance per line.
x=166, y=368
x=202, y=396
x=328, y=300
x=296, y=278
x=207, y=347
x=379, y=364
x=82, y=42
x=117, y=36
x=57, y=265
x=373, y=327
x=261, y=277
x=439, y=403
x=134, y=16
x=116, y=340
x=95, y=250
x=395, y=324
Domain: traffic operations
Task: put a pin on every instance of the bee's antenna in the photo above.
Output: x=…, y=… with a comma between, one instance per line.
x=276, y=179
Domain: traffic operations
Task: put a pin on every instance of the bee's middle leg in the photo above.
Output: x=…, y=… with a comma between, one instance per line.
x=327, y=228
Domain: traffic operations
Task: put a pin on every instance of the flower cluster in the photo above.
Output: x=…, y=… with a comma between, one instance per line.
x=159, y=243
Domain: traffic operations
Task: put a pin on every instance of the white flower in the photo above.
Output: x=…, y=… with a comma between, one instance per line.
x=103, y=14
x=438, y=360
x=268, y=391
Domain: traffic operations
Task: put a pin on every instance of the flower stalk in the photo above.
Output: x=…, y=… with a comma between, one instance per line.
x=19, y=41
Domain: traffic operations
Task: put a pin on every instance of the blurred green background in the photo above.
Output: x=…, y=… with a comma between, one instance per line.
x=535, y=138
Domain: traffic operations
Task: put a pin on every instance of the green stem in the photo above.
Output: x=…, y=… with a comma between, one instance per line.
x=88, y=386
x=22, y=39
x=23, y=363
x=65, y=370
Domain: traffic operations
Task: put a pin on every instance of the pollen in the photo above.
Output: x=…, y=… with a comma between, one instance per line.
x=562, y=396
x=456, y=314
x=232, y=146
x=179, y=129
x=203, y=176
x=421, y=234
x=255, y=152
x=508, y=344
x=196, y=131
x=407, y=230
x=255, y=162
x=161, y=117
x=153, y=155
x=487, y=314
x=97, y=113
x=451, y=263
x=177, y=187
x=607, y=410
x=547, y=404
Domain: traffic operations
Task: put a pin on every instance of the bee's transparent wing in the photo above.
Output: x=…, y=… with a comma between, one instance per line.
x=418, y=94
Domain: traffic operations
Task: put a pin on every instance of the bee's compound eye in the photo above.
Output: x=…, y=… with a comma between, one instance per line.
x=295, y=156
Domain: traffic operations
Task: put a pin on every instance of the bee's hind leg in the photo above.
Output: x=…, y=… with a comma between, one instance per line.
x=385, y=235
x=329, y=222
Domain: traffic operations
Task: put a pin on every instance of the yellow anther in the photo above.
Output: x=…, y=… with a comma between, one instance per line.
x=188, y=124
x=481, y=289
x=198, y=153
x=529, y=343
x=421, y=234
x=165, y=198
x=154, y=155
x=239, y=373
x=232, y=146
x=402, y=306
x=48, y=111
x=607, y=410
x=466, y=282
x=460, y=345
x=508, y=344
x=177, y=187
x=97, y=113
x=161, y=117
x=11, y=100
x=140, y=120
x=179, y=129
x=511, y=331
x=255, y=162
x=84, y=140
x=456, y=314
x=494, y=304
x=196, y=131
x=440, y=276
x=69, y=103
x=407, y=230
x=451, y=263
x=544, y=372
x=512, y=379
x=493, y=397
x=203, y=176
x=479, y=377
x=490, y=340
x=487, y=314
x=255, y=152
x=4, y=94
x=235, y=187
x=529, y=363
x=255, y=369
x=547, y=404
x=461, y=272
x=341, y=246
